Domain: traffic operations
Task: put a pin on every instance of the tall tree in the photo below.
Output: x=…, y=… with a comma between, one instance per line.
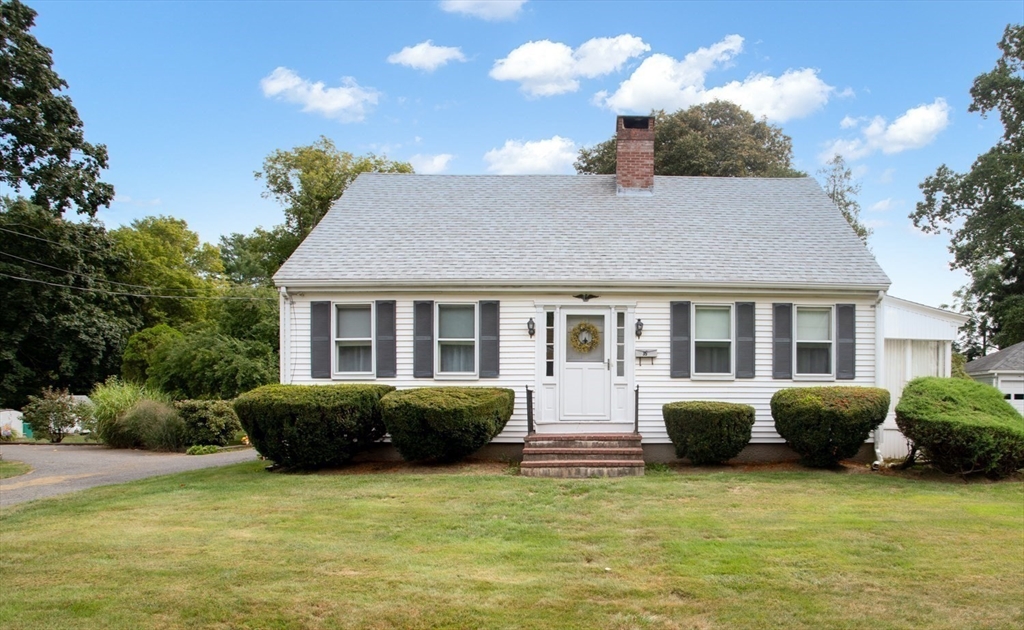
x=168, y=259
x=718, y=139
x=252, y=259
x=842, y=189
x=308, y=179
x=42, y=143
x=983, y=209
x=61, y=323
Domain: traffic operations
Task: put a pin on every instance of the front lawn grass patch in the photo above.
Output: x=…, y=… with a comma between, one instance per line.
x=12, y=468
x=240, y=548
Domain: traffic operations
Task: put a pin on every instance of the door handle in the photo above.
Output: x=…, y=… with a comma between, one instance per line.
x=608, y=364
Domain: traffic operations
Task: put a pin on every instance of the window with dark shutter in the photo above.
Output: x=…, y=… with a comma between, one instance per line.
x=423, y=339
x=679, y=339
x=320, y=339
x=782, y=340
x=489, y=339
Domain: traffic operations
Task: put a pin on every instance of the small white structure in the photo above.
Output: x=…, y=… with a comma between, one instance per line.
x=1003, y=370
x=914, y=340
x=10, y=420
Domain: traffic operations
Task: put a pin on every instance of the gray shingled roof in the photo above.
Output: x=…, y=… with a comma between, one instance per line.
x=1006, y=360
x=575, y=230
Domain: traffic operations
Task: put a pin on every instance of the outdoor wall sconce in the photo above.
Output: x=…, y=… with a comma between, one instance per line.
x=531, y=328
x=639, y=328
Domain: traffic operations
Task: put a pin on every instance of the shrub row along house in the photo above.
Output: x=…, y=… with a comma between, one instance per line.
x=607, y=296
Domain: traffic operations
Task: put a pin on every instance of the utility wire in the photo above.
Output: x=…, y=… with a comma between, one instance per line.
x=138, y=295
x=75, y=273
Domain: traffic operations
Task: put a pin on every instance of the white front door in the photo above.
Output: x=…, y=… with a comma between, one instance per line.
x=586, y=365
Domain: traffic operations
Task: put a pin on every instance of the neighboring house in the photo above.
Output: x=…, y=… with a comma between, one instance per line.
x=10, y=421
x=606, y=295
x=1003, y=370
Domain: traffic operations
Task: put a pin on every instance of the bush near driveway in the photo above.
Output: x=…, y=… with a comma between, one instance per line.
x=445, y=423
x=312, y=426
x=828, y=424
x=708, y=432
x=208, y=421
x=962, y=426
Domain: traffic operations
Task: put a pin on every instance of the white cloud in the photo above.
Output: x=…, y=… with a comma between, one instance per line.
x=848, y=122
x=348, y=103
x=426, y=56
x=662, y=82
x=554, y=155
x=431, y=164
x=886, y=176
x=916, y=128
x=883, y=206
x=491, y=10
x=546, y=68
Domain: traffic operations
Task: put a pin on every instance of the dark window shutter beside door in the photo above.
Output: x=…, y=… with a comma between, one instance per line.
x=846, y=341
x=489, y=346
x=679, y=336
x=386, y=353
x=320, y=339
x=744, y=340
x=423, y=339
x=782, y=340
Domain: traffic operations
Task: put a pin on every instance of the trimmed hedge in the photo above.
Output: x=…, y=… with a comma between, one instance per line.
x=208, y=421
x=708, y=432
x=962, y=426
x=828, y=424
x=445, y=423
x=152, y=425
x=311, y=426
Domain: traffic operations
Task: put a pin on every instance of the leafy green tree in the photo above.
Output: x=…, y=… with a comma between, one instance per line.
x=62, y=322
x=983, y=209
x=842, y=189
x=54, y=414
x=168, y=259
x=254, y=319
x=253, y=259
x=718, y=139
x=141, y=350
x=208, y=364
x=307, y=180
x=42, y=142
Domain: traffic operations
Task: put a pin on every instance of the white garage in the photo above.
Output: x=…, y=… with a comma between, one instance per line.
x=914, y=340
x=1003, y=370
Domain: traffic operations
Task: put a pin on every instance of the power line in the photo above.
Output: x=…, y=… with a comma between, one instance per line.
x=138, y=295
x=75, y=273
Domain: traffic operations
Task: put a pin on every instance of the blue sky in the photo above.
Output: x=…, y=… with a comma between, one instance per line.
x=189, y=97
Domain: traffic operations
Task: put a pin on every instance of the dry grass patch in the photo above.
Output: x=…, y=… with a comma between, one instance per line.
x=240, y=548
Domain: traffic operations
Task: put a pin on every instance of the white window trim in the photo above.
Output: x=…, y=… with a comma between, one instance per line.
x=456, y=376
x=713, y=376
x=335, y=374
x=831, y=376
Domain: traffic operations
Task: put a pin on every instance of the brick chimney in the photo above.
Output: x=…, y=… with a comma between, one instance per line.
x=634, y=155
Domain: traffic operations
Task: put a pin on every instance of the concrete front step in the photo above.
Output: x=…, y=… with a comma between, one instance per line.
x=582, y=468
x=613, y=440
x=534, y=453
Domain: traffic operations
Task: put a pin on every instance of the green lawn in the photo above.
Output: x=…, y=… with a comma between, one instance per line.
x=12, y=468
x=242, y=548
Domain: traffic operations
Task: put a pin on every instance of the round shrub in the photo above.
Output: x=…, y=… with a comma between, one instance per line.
x=445, y=423
x=828, y=424
x=708, y=432
x=311, y=426
x=208, y=421
x=113, y=399
x=152, y=425
x=962, y=426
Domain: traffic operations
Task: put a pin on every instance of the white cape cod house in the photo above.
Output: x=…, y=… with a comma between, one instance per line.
x=606, y=295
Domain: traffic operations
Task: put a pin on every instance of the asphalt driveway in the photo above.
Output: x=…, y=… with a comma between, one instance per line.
x=62, y=469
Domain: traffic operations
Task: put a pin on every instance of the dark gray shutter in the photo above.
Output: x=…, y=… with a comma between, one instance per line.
x=320, y=339
x=423, y=339
x=386, y=353
x=489, y=347
x=744, y=340
x=846, y=341
x=679, y=337
x=782, y=341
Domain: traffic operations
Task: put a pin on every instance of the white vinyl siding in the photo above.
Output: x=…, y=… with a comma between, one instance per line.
x=524, y=359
